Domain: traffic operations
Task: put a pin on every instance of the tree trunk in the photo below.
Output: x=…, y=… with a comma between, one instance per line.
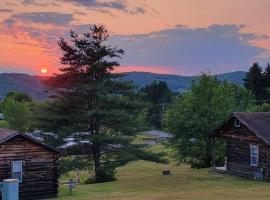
x=208, y=159
x=96, y=157
x=213, y=153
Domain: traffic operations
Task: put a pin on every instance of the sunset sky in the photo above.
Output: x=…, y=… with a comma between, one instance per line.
x=184, y=37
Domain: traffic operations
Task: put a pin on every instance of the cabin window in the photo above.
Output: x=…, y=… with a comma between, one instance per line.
x=17, y=170
x=236, y=123
x=254, y=155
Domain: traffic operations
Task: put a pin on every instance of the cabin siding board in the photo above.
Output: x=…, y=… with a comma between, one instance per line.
x=40, y=177
x=238, y=159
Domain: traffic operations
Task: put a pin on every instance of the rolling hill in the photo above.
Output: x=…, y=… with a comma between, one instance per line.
x=179, y=83
x=33, y=84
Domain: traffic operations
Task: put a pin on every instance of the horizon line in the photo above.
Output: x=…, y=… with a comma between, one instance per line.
x=146, y=72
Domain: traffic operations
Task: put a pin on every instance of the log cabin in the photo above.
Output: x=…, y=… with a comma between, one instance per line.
x=31, y=162
x=247, y=140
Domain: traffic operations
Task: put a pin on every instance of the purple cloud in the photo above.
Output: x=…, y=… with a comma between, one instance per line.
x=113, y=4
x=137, y=10
x=5, y=10
x=216, y=48
x=9, y=22
x=45, y=17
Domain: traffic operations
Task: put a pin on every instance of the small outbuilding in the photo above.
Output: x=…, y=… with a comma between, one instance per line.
x=31, y=162
x=247, y=139
x=156, y=137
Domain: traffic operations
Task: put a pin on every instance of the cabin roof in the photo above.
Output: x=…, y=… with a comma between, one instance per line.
x=256, y=122
x=6, y=134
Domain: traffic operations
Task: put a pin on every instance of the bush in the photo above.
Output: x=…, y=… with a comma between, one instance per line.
x=90, y=180
x=4, y=124
x=154, y=157
x=197, y=164
x=107, y=174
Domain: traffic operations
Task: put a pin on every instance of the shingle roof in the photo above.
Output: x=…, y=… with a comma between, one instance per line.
x=6, y=134
x=257, y=122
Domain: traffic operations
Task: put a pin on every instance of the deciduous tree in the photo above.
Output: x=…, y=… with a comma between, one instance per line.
x=17, y=114
x=197, y=112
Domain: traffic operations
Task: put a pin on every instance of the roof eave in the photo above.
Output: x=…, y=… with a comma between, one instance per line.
x=31, y=139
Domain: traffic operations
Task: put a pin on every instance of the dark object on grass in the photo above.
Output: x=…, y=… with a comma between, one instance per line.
x=166, y=172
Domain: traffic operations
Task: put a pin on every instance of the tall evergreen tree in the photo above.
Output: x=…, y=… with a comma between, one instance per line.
x=159, y=95
x=267, y=81
x=254, y=81
x=91, y=103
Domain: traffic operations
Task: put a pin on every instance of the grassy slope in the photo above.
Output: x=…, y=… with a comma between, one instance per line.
x=142, y=180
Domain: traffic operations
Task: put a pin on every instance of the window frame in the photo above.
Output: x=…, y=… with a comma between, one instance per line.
x=252, y=156
x=237, y=123
x=21, y=169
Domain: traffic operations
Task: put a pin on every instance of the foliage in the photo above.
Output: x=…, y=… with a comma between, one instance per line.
x=1, y=107
x=258, y=81
x=4, y=124
x=197, y=112
x=16, y=108
x=17, y=114
x=159, y=96
x=19, y=97
x=107, y=174
x=154, y=157
x=70, y=163
x=265, y=107
x=45, y=120
x=90, y=103
x=157, y=92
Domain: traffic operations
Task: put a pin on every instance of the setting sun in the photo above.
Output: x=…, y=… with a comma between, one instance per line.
x=44, y=71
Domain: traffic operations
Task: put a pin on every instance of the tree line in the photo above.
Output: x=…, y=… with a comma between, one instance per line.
x=258, y=82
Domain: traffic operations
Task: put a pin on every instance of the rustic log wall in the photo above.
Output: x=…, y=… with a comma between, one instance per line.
x=40, y=178
x=238, y=141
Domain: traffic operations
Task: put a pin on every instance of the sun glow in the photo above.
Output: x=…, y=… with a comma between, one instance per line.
x=44, y=71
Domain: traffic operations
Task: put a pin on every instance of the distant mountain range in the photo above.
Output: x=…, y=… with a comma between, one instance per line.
x=33, y=84
x=179, y=83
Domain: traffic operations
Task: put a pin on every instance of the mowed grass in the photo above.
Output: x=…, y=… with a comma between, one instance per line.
x=142, y=180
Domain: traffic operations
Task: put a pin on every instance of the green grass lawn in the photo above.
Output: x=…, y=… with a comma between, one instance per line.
x=142, y=180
